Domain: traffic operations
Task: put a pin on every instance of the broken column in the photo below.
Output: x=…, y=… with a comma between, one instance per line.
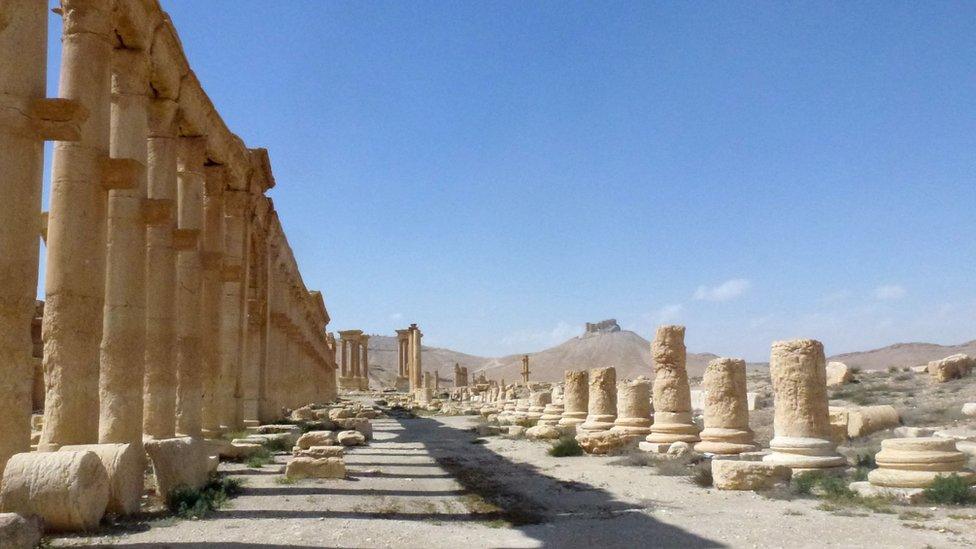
x=575, y=398
x=81, y=174
x=159, y=406
x=602, y=409
x=726, y=409
x=553, y=411
x=633, y=408
x=27, y=119
x=672, y=395
x=189, y=363
x=124, y=328
x=800, y=424
x=364, y=371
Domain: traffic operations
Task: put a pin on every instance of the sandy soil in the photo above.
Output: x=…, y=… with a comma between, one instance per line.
x=428, y=482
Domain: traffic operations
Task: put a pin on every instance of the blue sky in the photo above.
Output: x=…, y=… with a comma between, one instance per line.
x=502, y=172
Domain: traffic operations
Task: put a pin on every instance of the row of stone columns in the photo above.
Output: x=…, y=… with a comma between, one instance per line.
x=173, y=301
x=354, y=360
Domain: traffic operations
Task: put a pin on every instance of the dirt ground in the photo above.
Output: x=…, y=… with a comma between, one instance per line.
x=430, y=482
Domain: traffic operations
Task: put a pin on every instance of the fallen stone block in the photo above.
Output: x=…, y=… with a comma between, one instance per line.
x=905, y=496
x=180, y=461
x=542, y=432
x=341, y=413
x=951, y=367
x=351, y=438
x=19, y=532
x=838, y=373
x=125, y=465
x=270, y=429
x=362, y=425
x=68, y=490
x=316, y=438
x=604, y=442
x=321, y=452
x=303, y=414
x=865, y=420
x=515, y=431
x=912, y=432
x=969, y=409
x=308, y=467
x=748, y=475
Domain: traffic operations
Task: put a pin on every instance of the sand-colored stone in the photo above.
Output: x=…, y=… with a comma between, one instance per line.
x=316, y=438
x=726, y=410
x=69, y=491
x=211, y=297
x=159, y=386
x=672, y=394
x=124, y=464
x=537, y=404
x=802, y=430
x=350, y=438
x=76, y=231
x=576, y=397
x=320, y=452
x=178, y=462
x=604, y=442
x=19, y=532
x=730, y=474
x=308, y=467
x=838, y=373
x=542, y=432
x=191, y=155
x=553, y=412
x=602, y=407
x=951, y=367
x=916, y=462
x=864, y=420
x=633, y=408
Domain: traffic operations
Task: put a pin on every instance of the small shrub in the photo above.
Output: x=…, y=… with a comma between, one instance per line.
x=702, y=475
x=566, y=447
x=284, y=480
x=951, y=490
x=803, y=483
x=277, y=445
x=892, y=369
x=196, y=503
x=259, y=459
x=914, y=515
x=855, y=370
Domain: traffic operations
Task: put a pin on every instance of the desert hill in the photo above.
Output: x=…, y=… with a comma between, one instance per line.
x=903, y=355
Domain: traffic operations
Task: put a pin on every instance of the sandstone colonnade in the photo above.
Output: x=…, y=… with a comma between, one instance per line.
x=173, y=302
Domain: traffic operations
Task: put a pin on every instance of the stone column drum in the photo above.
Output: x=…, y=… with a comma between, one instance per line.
x=602, y=410
x=916, y=462
x=800, y=424
x=633, y=408
x=726, y=409
x=672, y=395
x=189, y=363
x=211, y=297
x=27, y=118
x=124, y=328
x=575, y=398
x=159, y=387
x=81, y=174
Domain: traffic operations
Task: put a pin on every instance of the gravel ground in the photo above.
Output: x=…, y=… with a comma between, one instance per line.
x=428, y=482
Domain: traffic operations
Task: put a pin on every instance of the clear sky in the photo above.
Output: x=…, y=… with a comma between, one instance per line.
x=502, y=172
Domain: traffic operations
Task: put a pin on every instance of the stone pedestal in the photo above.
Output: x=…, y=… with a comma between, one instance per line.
x=575, y=398
x=800, y=424
x=602, y=410
x=916, y=462
x=553, y=412
x=726, y=410
x=633, y=408
x=672, y=395
x=537, y=405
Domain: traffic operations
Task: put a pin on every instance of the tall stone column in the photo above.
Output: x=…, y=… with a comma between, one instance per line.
x=75, y=269
x=602, y=408
x=801, y=426
x=416, y=365
x=355, y=359
x=726, y=409
x=576, y=397
x=211, y=296
x=672, y=395
x=159, y=393
x=27, y=118
x=189, y=363
x=124, y=323
x=364, y=341
x=633, y=408
x=232, y=317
